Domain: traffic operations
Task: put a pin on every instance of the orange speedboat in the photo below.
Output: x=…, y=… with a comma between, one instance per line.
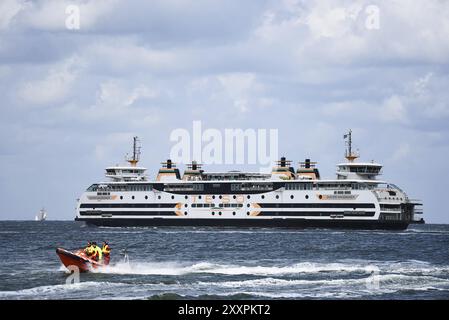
x=80, y=259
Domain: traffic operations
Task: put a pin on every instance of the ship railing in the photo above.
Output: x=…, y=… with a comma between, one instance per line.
x=415, y=202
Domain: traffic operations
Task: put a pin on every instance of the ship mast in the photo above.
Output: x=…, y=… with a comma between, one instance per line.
x=350, y=155
x=136, y=152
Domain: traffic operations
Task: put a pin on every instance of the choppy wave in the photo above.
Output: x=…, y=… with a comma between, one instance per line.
x=179, y=268
x=256, y=288
x=55, y=290
x=275, y=286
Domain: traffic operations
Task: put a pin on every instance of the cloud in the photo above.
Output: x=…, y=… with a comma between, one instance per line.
x=113, y=144
x=336, y=32
x=393, y=110
x=113, y=94
x=311, y=69
x=231, y=93
x=421, y=85
x=402, y=152
x=9, y=10
x=53, y=87
x=237, y=84
x=127, y=56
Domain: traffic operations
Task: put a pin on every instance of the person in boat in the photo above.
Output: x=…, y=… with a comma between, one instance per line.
x=97, y=253
x=106, y=250
x=89, y=250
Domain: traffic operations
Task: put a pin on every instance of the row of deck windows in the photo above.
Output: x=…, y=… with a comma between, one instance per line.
x=220, y=197
x=213, y=213
x=119, y=188
x=234, y=187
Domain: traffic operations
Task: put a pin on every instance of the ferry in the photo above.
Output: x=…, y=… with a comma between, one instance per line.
x=286, y=198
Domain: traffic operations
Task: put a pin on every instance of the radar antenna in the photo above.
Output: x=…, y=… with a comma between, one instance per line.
x=350, y=155
x=136, y=152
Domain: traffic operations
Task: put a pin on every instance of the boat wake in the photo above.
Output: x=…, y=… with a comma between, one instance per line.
x=364, y=267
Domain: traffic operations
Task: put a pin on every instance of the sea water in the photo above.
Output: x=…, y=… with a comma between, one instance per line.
x=227, y=263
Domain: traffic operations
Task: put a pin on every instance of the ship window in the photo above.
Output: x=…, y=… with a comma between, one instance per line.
x=277, y=196
x=186, y=205
x=257, y=186
x=293, y=186
x=159, y=197
x=235, y=187
x=292, y=196
x=146, y=197
x=132, y=197
x=233, y=213
x=198, y=187
x=172, y=197
x=185, y=213
x=305, y=186
x=249, y=197
x=307, y=196
x=248, y=205
x=93, y=187
x=247, y=213
x=263, y=197
x=121, y=197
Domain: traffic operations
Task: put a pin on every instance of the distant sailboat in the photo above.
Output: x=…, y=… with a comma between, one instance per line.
x=41, y=216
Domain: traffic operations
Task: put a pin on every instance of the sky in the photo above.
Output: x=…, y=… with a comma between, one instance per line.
x=73, y=95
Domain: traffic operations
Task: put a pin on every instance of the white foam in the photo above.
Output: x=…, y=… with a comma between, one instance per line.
x=176, y=268
x=350, y=266
x=384, y=279
x=56, y=290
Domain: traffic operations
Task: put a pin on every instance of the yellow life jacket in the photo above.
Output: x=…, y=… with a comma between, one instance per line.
x=99, y=252
x=106, y=249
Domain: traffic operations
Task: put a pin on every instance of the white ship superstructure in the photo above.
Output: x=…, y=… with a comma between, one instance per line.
x=284, y=198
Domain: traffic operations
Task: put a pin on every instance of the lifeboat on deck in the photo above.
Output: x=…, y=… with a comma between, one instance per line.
x=79, y=259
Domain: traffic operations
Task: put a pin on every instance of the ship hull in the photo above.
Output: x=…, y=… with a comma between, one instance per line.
x=249, y=223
